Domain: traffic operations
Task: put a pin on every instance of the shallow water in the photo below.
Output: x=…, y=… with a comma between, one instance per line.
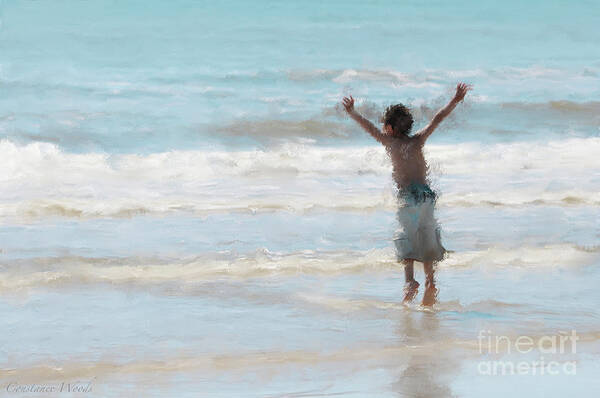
x=185, y=210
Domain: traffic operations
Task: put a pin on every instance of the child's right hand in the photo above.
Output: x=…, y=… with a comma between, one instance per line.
x=348, y=103
x=461, y=91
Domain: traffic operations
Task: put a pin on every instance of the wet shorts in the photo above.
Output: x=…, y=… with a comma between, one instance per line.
x=418, y=236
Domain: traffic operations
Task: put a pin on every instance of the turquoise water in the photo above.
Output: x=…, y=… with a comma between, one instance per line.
x=150, y=77
x=185, y=208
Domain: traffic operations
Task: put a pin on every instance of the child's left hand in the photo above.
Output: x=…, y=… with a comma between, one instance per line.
x=348, y=103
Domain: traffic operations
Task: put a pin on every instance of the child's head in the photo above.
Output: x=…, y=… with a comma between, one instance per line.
x=399, y=119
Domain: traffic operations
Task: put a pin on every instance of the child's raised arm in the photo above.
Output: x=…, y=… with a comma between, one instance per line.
x=461, y=91
x=369, y=127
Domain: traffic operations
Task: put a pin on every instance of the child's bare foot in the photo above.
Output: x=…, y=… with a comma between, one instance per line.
x=430, y=296
x=410, y=290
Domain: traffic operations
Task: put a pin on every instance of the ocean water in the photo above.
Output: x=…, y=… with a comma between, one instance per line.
x=185, y=209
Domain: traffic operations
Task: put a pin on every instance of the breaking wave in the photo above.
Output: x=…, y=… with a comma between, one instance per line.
x=41, y=180
x=184, y=274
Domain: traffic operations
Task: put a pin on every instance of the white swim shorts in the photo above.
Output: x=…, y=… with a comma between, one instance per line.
x=418, y=237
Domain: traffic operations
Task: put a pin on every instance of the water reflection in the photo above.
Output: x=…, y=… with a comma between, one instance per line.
x=431, y=364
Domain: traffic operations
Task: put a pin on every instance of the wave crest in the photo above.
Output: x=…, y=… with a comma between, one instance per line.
x=24, y=274
x=41, y=180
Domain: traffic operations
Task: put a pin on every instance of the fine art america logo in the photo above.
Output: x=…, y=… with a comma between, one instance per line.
x=540, y=355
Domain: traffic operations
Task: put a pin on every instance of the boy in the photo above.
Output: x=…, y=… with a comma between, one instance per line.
x=420, y=238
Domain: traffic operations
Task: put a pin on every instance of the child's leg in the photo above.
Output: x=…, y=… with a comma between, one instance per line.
x=411, y=286
x=430, y=290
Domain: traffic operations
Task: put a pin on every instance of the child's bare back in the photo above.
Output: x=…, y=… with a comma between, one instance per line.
x=408, y=161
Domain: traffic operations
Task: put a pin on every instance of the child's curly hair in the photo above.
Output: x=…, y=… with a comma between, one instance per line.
x=398, y=116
